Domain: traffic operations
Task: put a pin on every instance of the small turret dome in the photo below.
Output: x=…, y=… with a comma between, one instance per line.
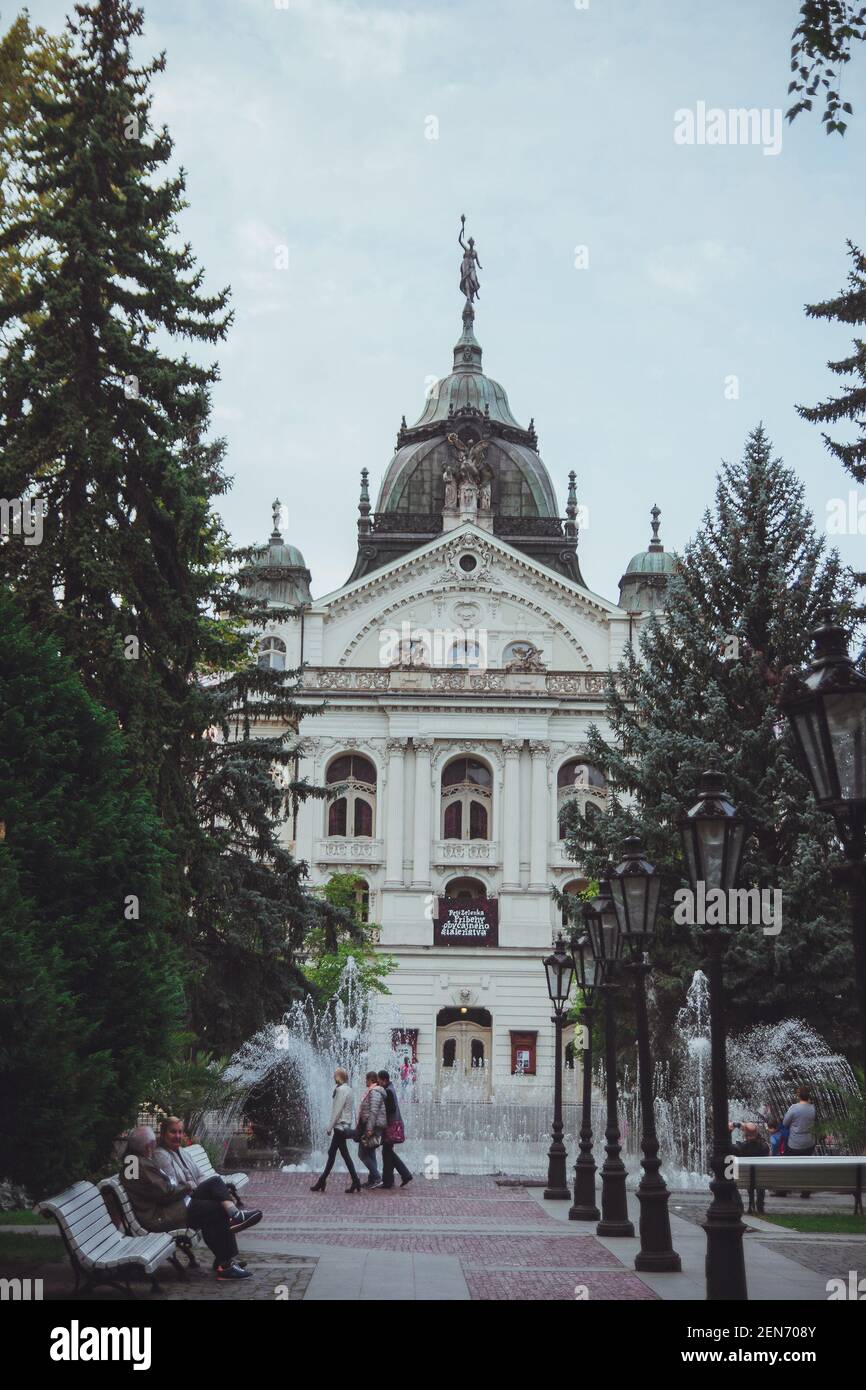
x=277, y=574
x=642, y=587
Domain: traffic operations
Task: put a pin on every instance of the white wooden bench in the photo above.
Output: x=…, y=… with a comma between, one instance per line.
x=98, y=1252
x=198, y=1154
x=120, y=1207
x=844, y=1173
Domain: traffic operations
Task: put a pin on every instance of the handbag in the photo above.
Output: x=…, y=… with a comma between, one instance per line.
x=370, y=1141
x=394, y=1133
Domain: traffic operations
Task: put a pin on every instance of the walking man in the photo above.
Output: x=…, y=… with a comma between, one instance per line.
x=394, y=1134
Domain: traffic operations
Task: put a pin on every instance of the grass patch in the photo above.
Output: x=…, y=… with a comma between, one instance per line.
x=835, y=1223
x=30, y=1250
x=21, y=1218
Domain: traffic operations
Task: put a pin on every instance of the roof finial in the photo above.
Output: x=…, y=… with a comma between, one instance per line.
x=655, y=543
x=571, y=507
x=469, y=266
x=276, y=511
x=364, y=524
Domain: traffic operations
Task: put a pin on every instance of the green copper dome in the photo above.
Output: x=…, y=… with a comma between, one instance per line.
x=277, y=573
x=642, y=587
x=652, y=562
x=413, y=481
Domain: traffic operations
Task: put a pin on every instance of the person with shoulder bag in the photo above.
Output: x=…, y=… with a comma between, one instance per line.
x=342, y=1128
x=370, y=1127
x=394, y=1133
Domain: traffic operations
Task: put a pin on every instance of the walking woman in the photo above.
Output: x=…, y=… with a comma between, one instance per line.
x=371, y=1124
x=342, y=1130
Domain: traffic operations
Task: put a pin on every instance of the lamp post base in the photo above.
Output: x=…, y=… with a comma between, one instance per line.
x=581, y=1213
x=557, y=1189
x=614, y=1228
x=658, y=1261
x=614, y=1205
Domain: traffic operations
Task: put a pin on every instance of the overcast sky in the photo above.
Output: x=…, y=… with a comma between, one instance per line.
x=306, y=127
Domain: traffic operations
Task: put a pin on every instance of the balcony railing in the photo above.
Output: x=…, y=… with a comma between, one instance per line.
x=337, y=851
x=477, y=852
x=572, y=685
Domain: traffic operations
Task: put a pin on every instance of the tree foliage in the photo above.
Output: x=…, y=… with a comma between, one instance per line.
x=90, y=995
x=821, y=49
x=848, y=307
x=701, y=694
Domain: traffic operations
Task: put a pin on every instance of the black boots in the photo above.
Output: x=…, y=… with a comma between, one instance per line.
x=318, y=1186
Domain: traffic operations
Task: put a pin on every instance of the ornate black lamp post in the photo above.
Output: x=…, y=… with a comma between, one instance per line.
x=559, y=969
x=713, y=838
x=583, y=1207
x=826, y=708
x=634, y=886
x=606, y=944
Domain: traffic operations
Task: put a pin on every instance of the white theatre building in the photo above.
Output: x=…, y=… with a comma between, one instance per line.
x=461, y=665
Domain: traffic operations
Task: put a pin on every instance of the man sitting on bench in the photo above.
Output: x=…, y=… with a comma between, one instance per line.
x=162, y=1203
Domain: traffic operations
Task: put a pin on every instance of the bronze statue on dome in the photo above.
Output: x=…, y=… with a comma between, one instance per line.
x=469, y=284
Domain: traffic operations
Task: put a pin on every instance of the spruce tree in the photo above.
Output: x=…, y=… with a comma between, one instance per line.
x=848, y=307
x=98, y=416
x=103, y=418
x=90, y=993
x=701, y=694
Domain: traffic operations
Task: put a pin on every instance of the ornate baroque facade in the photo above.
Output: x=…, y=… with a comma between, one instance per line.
x=461, y=666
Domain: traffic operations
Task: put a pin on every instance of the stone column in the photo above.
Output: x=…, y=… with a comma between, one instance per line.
x=312, y=815
x=423, y=798
x=539, y=815
x=509, y=817
x=396, y=807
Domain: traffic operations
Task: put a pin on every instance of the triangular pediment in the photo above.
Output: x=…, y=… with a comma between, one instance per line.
x=442, y=556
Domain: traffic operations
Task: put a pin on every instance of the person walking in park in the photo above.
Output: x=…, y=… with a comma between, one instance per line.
x=162, y=1203
x=394, y=1134
x=341, y=1128
x=800, y=1119
x=370, y=1127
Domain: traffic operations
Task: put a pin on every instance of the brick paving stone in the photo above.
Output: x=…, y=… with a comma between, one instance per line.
x=275, y=1278
x=833, y=1258
x=528, y=1286
x=449, y=1201
x=476, y=1250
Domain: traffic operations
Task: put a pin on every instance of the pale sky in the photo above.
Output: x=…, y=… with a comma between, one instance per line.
x=306, y=127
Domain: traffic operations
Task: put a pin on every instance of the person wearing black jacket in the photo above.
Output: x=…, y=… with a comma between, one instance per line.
x=390, y=1161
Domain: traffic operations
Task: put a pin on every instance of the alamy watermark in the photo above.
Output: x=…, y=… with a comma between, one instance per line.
x=736, y=907
x=455, y=647
x=22, y=516
x=741, y=125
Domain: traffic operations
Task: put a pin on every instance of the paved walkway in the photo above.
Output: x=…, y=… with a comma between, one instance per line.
x=467, y=1238
x=453, y=1239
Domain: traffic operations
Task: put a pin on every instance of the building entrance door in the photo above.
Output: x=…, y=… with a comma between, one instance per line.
x=463, y=1047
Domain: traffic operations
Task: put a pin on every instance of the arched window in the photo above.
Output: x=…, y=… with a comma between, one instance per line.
x=353, y=812
x=574, y=887
x=465, y=890
x=477, y=1052
x=467, y=800
x=272, y=654
x=464, y=653
x=580, y=782
x=449, y=1052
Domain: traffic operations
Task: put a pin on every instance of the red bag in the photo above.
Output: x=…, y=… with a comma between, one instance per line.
x=394, y=1133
